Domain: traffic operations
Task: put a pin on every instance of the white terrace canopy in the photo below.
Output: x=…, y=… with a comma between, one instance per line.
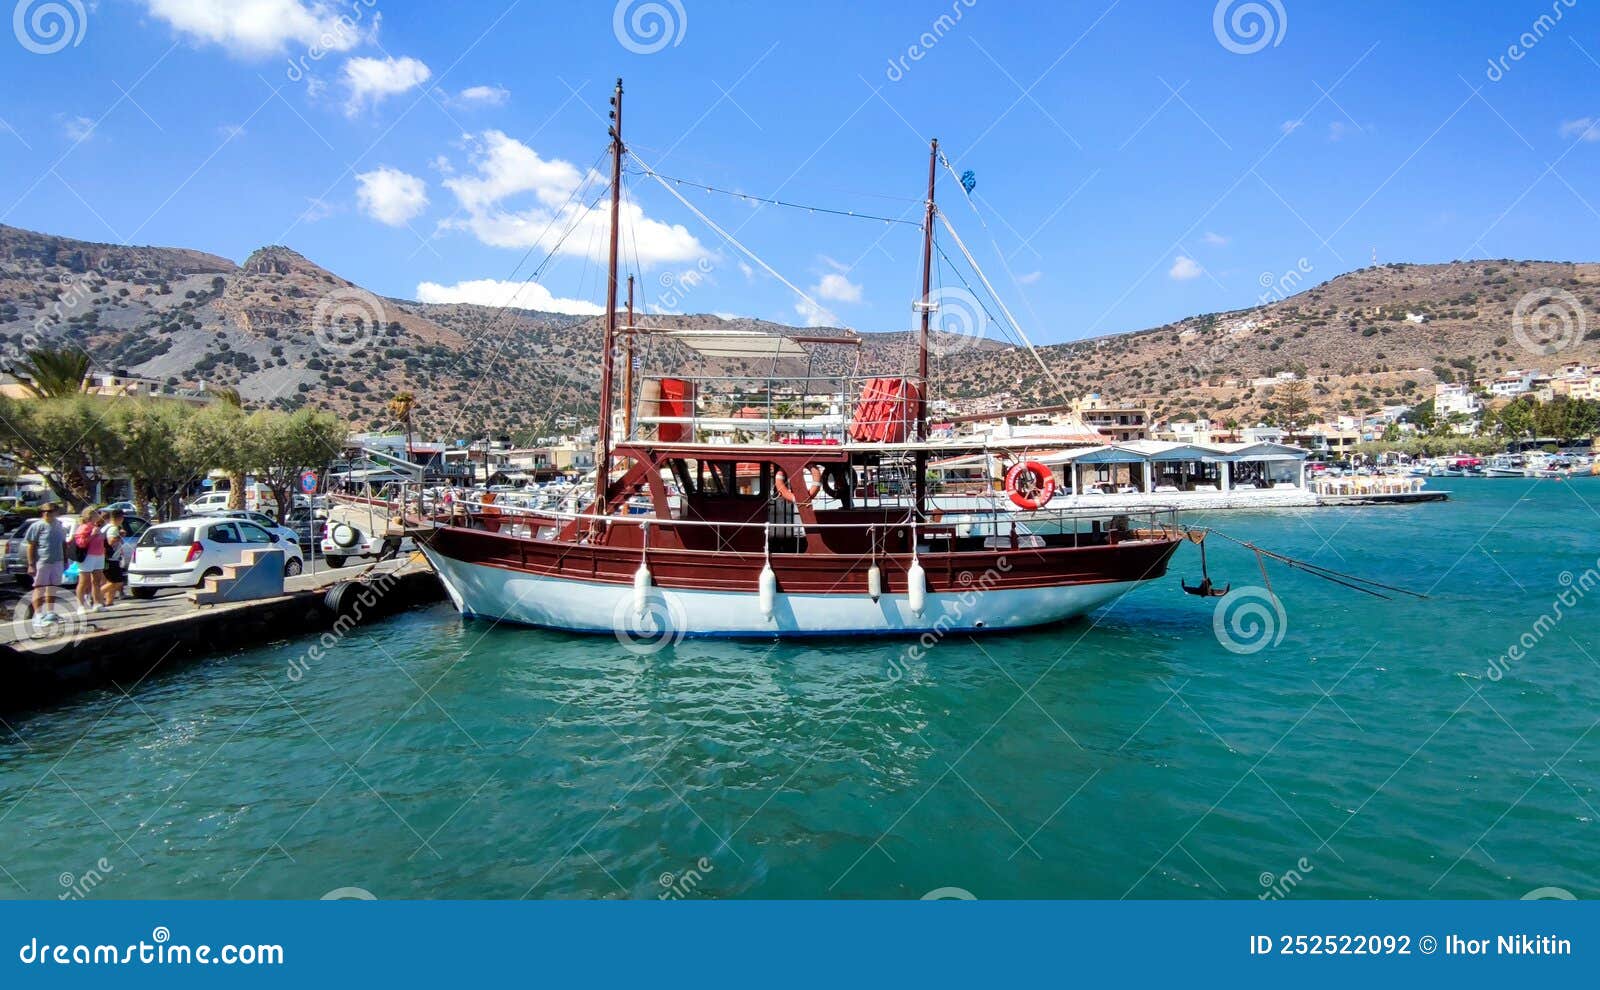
x=1157, y=466
x=743, y=343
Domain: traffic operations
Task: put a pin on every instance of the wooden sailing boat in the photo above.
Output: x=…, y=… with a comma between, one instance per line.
x=812, y=528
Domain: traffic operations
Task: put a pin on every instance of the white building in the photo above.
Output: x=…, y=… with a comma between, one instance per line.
x=1512, y=384
x=1450, y=399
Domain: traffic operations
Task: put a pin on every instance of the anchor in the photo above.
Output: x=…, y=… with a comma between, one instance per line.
x=1205, y=589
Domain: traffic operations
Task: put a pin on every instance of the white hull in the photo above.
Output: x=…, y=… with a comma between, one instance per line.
x=583, y=606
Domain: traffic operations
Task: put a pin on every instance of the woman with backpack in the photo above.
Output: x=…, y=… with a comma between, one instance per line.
x=89, y=548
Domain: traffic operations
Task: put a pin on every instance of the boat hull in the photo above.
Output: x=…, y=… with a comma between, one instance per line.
x=668, y=614
x=490, y=592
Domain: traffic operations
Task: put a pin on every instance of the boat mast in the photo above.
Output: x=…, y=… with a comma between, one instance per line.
x=627, y=367
x=607, y=355
x=921, y=458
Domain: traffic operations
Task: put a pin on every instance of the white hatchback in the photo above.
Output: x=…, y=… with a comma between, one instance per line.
x=184, y=553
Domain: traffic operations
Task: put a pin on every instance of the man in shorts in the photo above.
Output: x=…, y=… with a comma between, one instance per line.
x=45, y=545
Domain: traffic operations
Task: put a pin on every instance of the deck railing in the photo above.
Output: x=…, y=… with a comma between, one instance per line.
x=816, y=409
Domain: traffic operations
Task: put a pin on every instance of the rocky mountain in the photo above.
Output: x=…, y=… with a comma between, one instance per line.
x=285, y=332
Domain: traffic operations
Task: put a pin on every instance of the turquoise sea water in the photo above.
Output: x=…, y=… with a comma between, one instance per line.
x=1380, y=749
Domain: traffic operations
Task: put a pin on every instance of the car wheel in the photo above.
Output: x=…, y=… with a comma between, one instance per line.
x=143, y=594
x=211, y=572
x=293, y=567
x=334, y=560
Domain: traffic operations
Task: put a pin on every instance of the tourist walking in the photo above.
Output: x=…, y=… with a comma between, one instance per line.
x=45, y=546
x=91, y=542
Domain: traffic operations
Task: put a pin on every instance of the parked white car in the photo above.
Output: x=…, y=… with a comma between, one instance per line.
x=256, y=499
x=261, y=519
x=183, y=553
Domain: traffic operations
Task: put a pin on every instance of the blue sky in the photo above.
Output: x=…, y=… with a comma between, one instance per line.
x=1136, y=161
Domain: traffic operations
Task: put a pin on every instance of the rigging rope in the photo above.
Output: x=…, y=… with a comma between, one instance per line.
x=646, y=170
x=723, y=233
x=997, y=300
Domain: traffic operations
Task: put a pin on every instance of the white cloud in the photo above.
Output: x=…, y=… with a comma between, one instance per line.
x=1584, y=129
x=372, y=80
x=491, y=95
x=259, y=28
x=1215, y=240
x=815, y=315
x=517, y=199
x=1337, y=130
x=1029, y=278
x=78, y=129
x=1290, y=126
x=494, y=292
x=1185, y=268
x=391, y=196
x=836, y=288
x=317, y=209
x=746, y=270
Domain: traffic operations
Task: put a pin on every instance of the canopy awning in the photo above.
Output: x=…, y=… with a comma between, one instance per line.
x=735, y=343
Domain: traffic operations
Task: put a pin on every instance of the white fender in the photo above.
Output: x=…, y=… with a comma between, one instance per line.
x=916, y=587
x=769, y=590
x=875, y=583
x=641, y=588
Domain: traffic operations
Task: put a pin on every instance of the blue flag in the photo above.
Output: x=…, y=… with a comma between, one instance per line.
x=969, y=180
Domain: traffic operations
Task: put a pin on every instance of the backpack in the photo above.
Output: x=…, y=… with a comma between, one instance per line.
x=78, y=546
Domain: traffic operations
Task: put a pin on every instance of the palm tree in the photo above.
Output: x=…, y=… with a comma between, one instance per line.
x=49, y=372
x=229, y=397
x=401, y=407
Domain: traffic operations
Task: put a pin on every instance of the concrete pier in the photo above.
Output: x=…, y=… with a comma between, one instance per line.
x=128, y=642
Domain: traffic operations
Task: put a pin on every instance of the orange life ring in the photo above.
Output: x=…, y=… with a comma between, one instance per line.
x=1043, y=488
x=780, y=484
